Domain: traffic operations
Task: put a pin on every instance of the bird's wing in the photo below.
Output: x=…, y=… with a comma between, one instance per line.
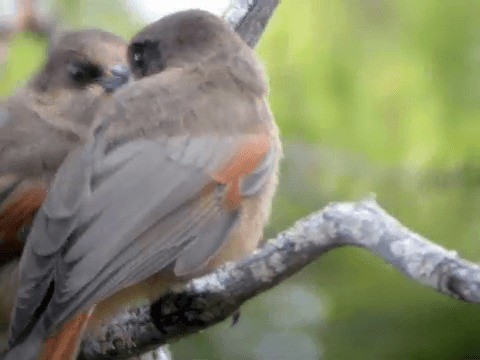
x=20, y=197
x=115, y=216
x=19, y=201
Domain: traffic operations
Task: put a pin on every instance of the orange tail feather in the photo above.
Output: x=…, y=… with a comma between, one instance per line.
x=65, y=344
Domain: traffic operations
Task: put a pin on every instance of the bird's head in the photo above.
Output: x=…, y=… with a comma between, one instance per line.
x=183, y=38
x=85, y=62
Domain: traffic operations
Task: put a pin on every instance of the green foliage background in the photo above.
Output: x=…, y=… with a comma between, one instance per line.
x=374, y=96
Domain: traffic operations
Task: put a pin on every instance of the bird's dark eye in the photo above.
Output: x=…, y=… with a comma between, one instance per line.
x=137, y=58
x=83, y=73
x=146, y=57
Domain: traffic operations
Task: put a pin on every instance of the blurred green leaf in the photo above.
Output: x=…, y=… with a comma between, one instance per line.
x=26, y=51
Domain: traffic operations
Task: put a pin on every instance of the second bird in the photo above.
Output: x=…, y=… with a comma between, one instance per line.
x=40, y=124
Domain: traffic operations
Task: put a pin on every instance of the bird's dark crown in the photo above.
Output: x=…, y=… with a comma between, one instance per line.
x=183, y=37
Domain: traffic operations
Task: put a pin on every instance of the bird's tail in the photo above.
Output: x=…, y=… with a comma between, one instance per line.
x=27, y=350
x=64, y=345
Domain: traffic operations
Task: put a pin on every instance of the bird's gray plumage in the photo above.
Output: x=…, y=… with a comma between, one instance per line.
x=100, y=201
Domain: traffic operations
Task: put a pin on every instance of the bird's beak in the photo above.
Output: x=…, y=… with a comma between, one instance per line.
x=119, y=75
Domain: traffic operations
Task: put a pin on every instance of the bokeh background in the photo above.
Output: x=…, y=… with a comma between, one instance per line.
x=372, y=96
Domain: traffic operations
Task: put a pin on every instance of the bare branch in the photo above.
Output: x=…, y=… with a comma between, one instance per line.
x=249, y=18
x=210, y=299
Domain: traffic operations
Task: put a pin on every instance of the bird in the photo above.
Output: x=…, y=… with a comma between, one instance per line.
x=176, y=179
x=40, y=124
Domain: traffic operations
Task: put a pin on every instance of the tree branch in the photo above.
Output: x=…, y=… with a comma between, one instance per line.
x=249, y=18
x=208, y=300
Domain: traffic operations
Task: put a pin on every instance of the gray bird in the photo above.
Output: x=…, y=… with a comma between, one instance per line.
x=40, y=124
x=177, y=178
